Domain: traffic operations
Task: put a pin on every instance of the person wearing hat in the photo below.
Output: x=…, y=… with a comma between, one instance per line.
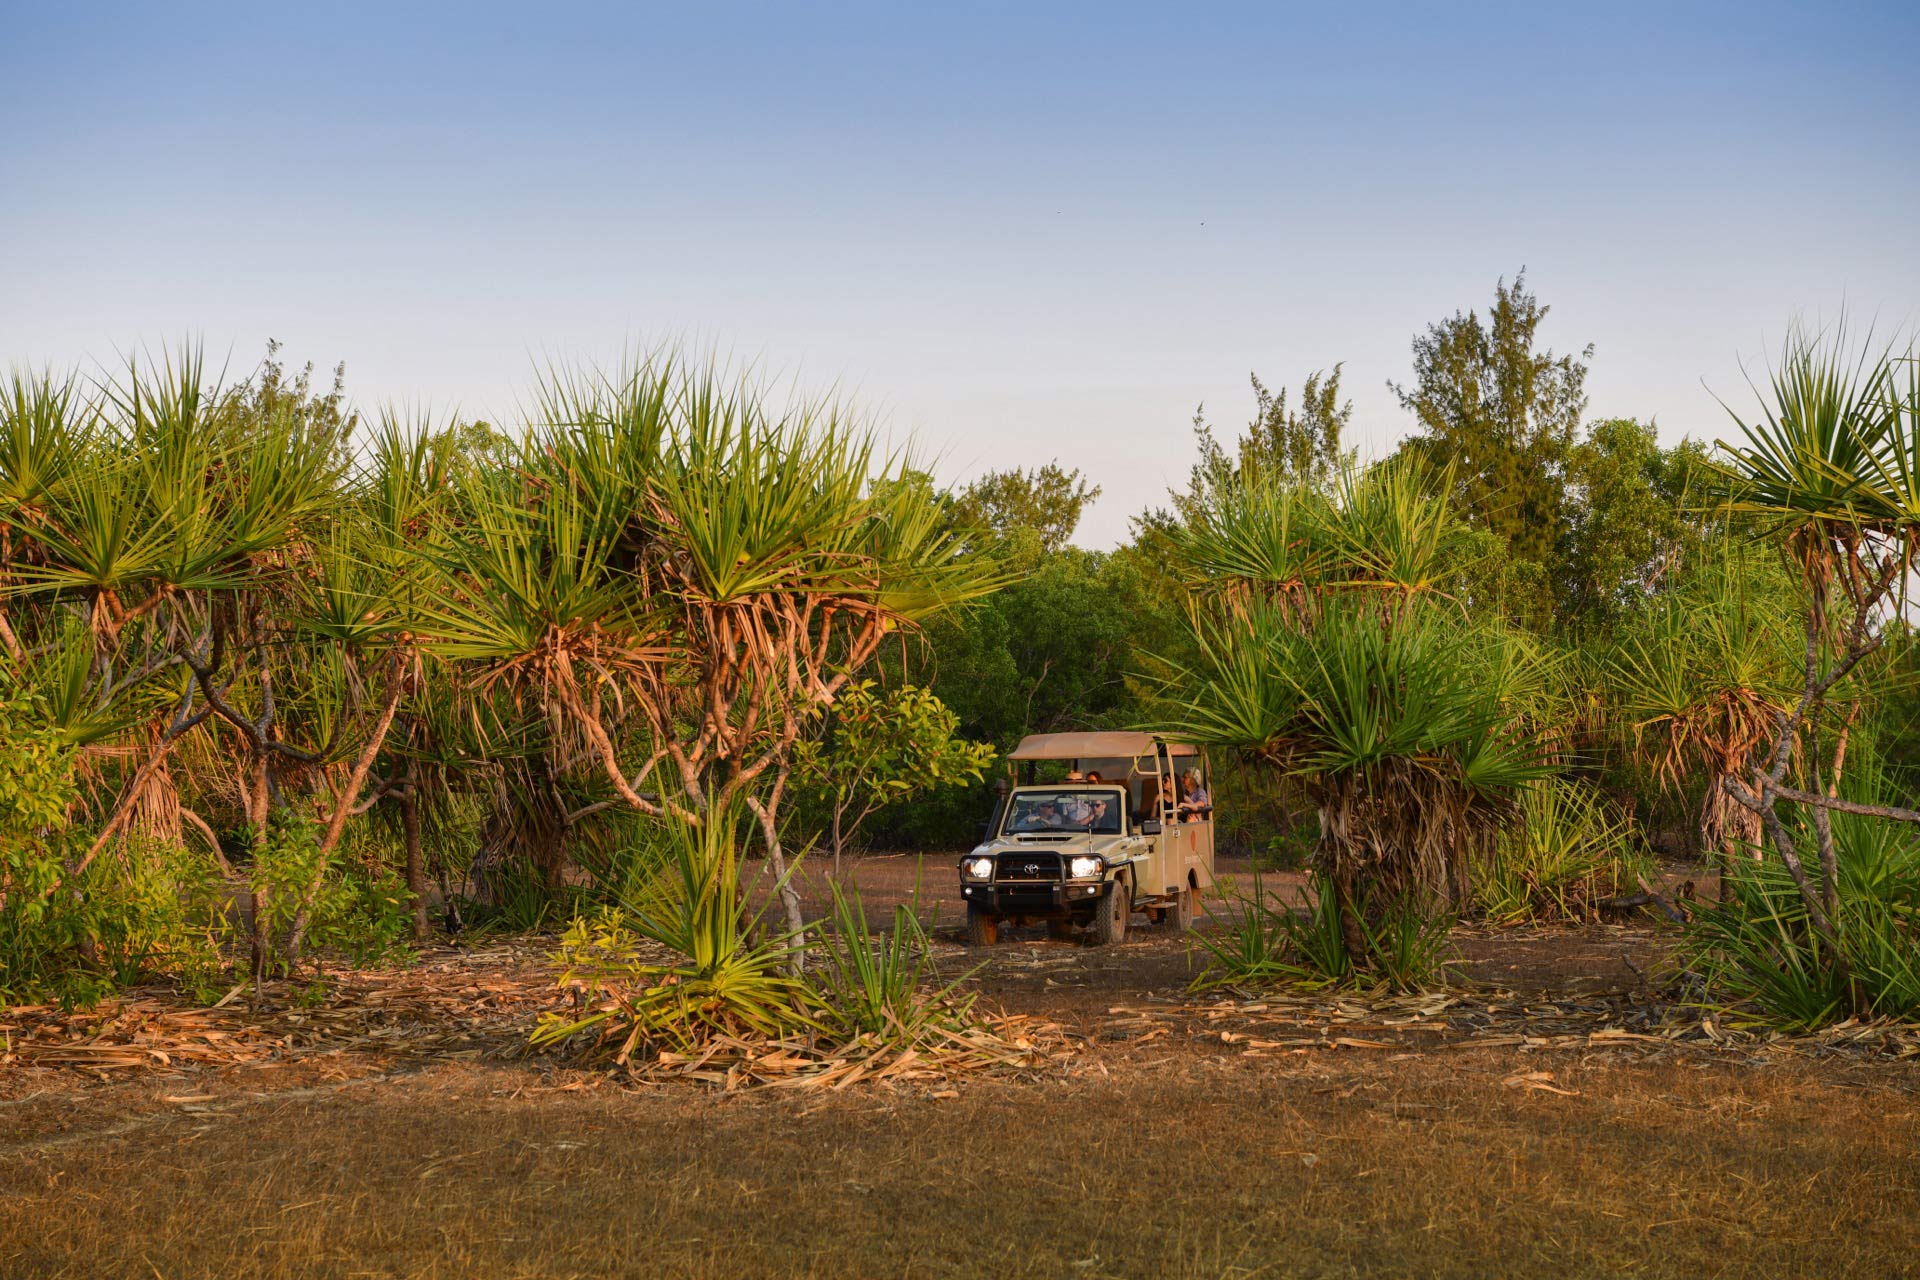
x=1195, y=803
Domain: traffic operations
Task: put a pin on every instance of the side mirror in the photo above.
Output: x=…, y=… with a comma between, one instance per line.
x=1151, y=827
x=983, y=832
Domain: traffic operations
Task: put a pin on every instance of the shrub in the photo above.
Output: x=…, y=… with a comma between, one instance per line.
x=1404, y=945
x=882, y=988
x=72, y=932
x=1759, y=946
x=360, y=910
x=1569, y=850
x=685, y=962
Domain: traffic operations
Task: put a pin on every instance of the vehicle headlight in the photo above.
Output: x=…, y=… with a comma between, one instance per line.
x=1081, y=868
x=980, y=868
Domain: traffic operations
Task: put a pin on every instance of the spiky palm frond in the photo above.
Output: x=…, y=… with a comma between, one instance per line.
x=1397, y=726
x=1392, y=527
x=1266, y=540
x=1824, y=440
x=46, y=430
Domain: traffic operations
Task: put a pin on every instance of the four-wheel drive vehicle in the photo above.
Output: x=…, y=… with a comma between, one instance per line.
x=1127, y=831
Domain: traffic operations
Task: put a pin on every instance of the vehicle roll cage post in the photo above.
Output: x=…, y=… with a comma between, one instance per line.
x=1000, y=793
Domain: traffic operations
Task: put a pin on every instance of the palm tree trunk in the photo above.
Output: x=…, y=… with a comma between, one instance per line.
x=416, y=867
x=257, y=800
x=789, y=896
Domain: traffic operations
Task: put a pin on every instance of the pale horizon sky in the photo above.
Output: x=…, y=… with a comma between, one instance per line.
x=1017, y=233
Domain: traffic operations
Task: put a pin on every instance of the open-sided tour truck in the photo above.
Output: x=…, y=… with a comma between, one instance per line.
x=1129, y=828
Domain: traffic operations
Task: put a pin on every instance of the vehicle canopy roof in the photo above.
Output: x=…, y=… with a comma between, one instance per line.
x=1104, y=745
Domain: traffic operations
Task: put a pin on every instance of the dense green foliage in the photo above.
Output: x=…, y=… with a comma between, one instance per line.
x=1569, y=851
x=276, y=679
x=880, y=747
x=236, y=619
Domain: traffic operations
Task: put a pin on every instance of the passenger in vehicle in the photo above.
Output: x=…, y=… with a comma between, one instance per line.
x=1150, y=793
x=1196, y=804
x=1097, y=814
x=1103, y=817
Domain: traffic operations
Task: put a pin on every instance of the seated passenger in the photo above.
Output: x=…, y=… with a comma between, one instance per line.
x=1196, y=804
x=1151, y=798
x=1101, y=816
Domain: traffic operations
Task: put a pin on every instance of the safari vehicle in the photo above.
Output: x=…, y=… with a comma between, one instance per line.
x=1112, y=839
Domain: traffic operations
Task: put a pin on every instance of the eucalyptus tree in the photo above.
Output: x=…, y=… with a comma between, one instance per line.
x=1285, y=444
x=1043, y=503
x=1501, y=416
x=1327, y=647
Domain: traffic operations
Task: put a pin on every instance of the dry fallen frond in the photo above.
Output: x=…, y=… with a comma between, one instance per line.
x=1008, y=1043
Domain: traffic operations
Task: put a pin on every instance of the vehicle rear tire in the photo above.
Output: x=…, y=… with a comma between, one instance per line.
x=1060, y=930
x=1110, y=921
x=983, y=927
x=1180, y=911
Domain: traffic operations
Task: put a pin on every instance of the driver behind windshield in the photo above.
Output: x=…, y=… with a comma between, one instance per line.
x=1071, y=811
x=1044, y=816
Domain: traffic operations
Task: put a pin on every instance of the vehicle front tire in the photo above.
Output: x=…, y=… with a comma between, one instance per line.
x=1180, y=912
x=983, y=927
x=1110, y=921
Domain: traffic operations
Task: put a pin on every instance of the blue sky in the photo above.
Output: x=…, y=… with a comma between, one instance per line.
x=1016, y=232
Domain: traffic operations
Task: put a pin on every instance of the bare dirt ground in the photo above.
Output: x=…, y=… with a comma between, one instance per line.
x=1550, y=1117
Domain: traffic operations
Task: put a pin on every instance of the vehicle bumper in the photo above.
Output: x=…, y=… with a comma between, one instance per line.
x=1042, y=899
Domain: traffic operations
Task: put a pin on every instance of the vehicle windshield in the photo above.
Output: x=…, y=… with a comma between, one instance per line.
x=1067, y=809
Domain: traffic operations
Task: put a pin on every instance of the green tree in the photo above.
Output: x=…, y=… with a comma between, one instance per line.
x=1629, y=517
x=1326, y=648
x=682, y=571
x=1056, y=650
x=1046, y=503
x=883, y=747
x=1502, y=416
x=1280, y=443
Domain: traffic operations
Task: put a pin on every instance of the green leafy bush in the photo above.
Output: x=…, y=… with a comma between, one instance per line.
x=880, y=747
x=684, y=963
x=73, y=929
x=360, y=911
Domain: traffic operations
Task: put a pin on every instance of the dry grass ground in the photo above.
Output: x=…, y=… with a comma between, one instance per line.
x=1188, y=1165
x=1168, y=1153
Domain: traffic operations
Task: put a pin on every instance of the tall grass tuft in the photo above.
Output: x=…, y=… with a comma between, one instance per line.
x=1404, y=945
x=1569, y=850
x=884, y=988
x=1759, y=948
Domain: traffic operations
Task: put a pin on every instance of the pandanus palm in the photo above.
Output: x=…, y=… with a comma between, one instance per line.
x=206, y=540
x=1700, y=680
x=1831, y=466
x=1326, y=648
x=677, y=572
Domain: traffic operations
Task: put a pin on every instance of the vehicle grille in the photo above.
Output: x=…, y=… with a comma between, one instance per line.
x=1028, y=868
